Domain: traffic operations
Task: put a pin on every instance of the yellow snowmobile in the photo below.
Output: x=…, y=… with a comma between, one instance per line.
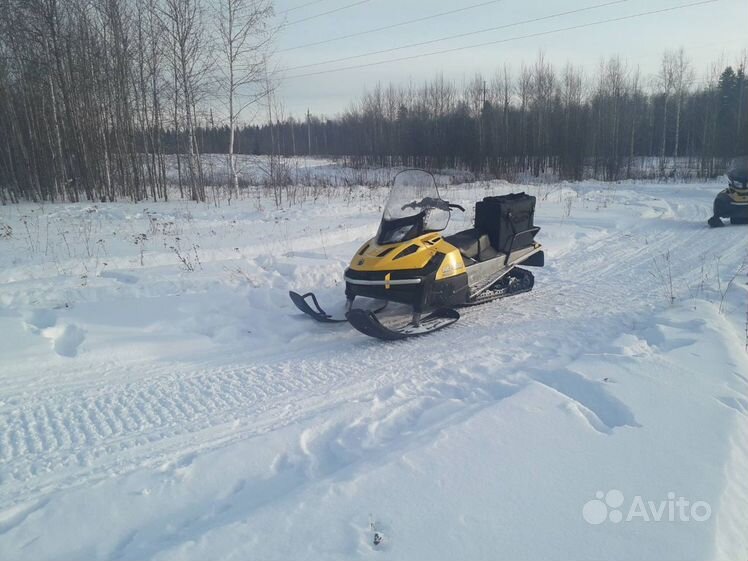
x=410, y=262
x=732, y=202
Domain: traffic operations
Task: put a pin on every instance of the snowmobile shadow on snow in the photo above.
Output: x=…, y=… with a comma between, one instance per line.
x=410, y=263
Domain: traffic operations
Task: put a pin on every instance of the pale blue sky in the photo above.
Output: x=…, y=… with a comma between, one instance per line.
x=706, y=32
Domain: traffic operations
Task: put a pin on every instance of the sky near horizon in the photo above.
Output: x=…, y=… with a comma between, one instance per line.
x=707, y=32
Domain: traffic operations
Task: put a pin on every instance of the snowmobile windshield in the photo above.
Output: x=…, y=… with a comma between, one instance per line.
x=738, y=173
x=414, y=207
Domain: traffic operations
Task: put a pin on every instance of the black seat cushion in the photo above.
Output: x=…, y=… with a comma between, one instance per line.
x=472, y=244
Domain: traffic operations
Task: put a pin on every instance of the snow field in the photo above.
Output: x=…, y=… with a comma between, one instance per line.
x=162, y=398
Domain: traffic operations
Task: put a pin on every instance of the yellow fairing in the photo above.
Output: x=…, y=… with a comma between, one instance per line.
x=737, y=196
x=411, y=254
x=452, y=265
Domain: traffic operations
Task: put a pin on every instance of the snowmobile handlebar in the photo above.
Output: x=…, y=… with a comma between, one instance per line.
x=430, y=202
x=426, y=203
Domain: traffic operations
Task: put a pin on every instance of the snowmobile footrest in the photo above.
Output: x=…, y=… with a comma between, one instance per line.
x=319, y=314
x=368, y=324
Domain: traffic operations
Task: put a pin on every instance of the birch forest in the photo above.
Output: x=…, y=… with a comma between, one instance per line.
x=99, y=99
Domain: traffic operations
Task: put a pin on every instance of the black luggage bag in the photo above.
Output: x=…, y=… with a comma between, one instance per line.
x=508, y=220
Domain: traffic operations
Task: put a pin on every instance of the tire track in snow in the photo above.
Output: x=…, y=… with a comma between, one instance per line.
x=118, y=420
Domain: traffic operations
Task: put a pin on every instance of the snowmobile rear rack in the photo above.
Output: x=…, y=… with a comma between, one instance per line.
x=514, y=237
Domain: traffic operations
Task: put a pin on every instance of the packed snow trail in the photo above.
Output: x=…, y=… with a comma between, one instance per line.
x=228, y=414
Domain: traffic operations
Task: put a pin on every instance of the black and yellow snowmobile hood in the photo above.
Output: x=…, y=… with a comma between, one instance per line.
x=414, y=254
x=738, y=196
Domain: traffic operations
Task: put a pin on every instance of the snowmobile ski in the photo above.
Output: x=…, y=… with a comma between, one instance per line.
x=319, y=314
x=302, y=303
x=368, y=324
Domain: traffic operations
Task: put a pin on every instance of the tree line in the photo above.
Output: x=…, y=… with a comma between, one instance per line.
x=96, y=95
x=88, y=90
x=539, y=119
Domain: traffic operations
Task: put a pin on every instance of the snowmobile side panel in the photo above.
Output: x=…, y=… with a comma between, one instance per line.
x=517, y=281
x=485, y=274
x=368, y=324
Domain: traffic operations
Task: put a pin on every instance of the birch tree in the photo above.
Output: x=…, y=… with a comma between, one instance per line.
x=244, y=35
x=190, y=59
x=683, y=77
x=665, y=81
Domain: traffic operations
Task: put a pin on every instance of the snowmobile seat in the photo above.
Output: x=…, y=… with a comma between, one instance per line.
x=473, y=244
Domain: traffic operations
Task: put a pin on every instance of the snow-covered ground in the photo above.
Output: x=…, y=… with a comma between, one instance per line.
x=299, y=170
x=161, y=398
